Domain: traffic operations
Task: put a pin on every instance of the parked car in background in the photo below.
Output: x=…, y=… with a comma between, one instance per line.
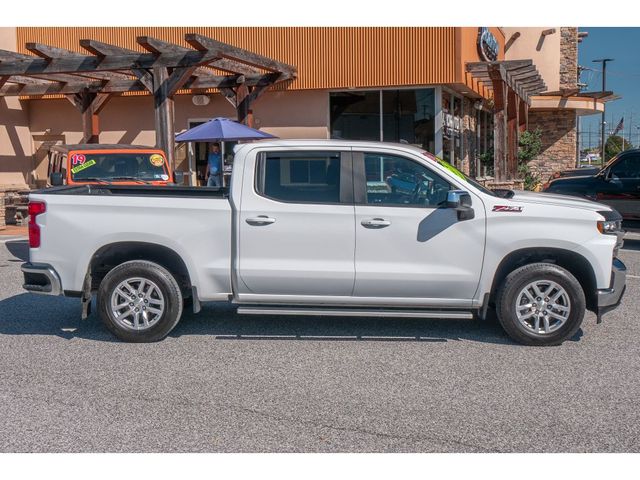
x=327, y=227
x=87, y=164
x=617, y=184
x=582, y=171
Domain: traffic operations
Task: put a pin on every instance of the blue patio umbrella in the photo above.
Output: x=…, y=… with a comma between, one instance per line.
x=221, y=129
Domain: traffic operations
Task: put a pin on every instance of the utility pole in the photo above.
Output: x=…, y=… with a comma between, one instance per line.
x=630, y=123
x=603, y=61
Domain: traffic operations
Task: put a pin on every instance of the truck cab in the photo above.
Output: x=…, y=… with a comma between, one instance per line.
x=92, y=164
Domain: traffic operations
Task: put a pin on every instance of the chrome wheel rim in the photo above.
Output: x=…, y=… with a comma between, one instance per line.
x=542, y=307
x=137, y=303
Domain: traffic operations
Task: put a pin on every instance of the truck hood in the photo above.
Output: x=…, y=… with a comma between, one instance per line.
x=557, y=200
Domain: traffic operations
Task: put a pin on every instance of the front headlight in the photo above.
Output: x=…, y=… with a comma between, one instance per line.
x=609, y=226
x=612, y=223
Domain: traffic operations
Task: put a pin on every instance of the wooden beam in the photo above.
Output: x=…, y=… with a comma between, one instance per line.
x=178, y=78
x=48, y=52
x=243, y=104
x=164, y=114
x=30, y=86
x=9, y=56
x=232, y=66
x=102, y=49
x=512, y=39
x=204, y=44
x=89, y=104
x=230, y=95
x=88, y=64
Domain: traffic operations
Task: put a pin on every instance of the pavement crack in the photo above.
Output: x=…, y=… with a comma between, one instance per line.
x=364, y=431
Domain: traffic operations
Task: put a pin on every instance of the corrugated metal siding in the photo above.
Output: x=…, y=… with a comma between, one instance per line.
x=326, y=57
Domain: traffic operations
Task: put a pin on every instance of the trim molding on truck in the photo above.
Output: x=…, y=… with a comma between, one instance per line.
x=356, y=312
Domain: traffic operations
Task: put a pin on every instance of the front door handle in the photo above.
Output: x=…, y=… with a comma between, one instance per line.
x=375, y=223
x=260, y=220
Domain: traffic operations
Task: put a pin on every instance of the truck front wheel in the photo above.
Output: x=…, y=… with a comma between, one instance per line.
x=139, y=301
x=540, y=304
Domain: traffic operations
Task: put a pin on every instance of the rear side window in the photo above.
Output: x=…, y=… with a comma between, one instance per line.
x=300, y=177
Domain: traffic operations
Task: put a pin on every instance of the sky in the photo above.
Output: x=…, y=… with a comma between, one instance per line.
x=623, y=78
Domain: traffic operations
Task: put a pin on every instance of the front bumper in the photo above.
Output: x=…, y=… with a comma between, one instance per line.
x=609, y=298
x=41, y=278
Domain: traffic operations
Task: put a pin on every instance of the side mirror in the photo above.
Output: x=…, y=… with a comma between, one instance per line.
x=56, y=179
x=460, y=201
x=178, y=178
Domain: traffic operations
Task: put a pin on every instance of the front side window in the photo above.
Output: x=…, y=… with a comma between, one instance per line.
x=300, y=177
x=627, y=167
x=393, y=180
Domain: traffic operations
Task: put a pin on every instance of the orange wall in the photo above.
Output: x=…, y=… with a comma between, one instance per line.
x=469, y=53
x=326, y=57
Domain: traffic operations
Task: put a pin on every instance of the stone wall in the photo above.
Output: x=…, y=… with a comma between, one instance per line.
x=2, y=210
x=558, y=141
x=469, y=137
x=568, y=57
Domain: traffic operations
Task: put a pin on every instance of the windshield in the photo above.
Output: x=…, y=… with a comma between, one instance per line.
x=458, y=173
x=90, y=166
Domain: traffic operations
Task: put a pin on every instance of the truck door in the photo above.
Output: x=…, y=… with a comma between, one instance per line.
x=296, y=233
x=621, y=187
x=408, y=245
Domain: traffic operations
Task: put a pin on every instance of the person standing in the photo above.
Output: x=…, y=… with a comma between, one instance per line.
x=214, y=166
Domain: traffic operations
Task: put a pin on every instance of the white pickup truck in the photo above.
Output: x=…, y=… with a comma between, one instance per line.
x=325, y=227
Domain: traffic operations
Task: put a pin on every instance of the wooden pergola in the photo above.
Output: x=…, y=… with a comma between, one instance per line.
x=89, y=80
x=513, y=83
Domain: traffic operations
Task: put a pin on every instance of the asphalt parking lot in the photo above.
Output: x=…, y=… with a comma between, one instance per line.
x=225, y=383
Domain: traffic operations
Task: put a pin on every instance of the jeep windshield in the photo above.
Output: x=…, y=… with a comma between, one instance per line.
x=118, y=167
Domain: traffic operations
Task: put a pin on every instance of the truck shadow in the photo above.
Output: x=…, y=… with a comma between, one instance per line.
x=19, y=249
x=631, y=244
x=27, y=314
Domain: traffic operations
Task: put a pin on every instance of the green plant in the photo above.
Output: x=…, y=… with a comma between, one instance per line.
x=486, y=159
x=614, y=145
x=529, y=146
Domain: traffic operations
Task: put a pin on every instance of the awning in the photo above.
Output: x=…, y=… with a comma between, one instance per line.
x=522, y=76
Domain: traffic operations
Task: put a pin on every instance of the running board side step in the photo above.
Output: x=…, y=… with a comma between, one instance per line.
x=354, y=312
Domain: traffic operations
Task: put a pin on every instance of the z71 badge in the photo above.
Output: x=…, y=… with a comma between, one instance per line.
x=506, y=208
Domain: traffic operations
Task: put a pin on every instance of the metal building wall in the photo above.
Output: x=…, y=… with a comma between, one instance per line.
x=326, y=57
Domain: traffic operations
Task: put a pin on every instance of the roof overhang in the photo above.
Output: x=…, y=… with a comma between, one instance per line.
x=584, y=103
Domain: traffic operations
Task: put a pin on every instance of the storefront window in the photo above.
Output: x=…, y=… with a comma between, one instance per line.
x=406, y=116
x=452, y=145
x=409, y=117
x=355, y=115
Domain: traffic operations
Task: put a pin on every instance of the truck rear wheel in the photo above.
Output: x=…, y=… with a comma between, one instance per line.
x=139, y=301
x=540, y=304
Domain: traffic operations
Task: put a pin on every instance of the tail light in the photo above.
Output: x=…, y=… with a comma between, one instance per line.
x=35, y=209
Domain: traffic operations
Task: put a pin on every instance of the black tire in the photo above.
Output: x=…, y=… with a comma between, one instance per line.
x=515, y=283
x=164, y=281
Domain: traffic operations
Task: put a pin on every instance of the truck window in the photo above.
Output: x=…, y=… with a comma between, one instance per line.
x=300, y=177
x=627, y=167
x=393, y=180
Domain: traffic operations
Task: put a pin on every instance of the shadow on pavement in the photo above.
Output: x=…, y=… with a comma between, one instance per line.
x=19, y=249
x=28, y=314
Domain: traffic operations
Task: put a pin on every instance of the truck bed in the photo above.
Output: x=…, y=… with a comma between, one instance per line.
x=194, y=222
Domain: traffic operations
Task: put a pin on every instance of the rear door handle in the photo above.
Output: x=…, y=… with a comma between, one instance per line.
x=260, y=220
x=375, y=223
